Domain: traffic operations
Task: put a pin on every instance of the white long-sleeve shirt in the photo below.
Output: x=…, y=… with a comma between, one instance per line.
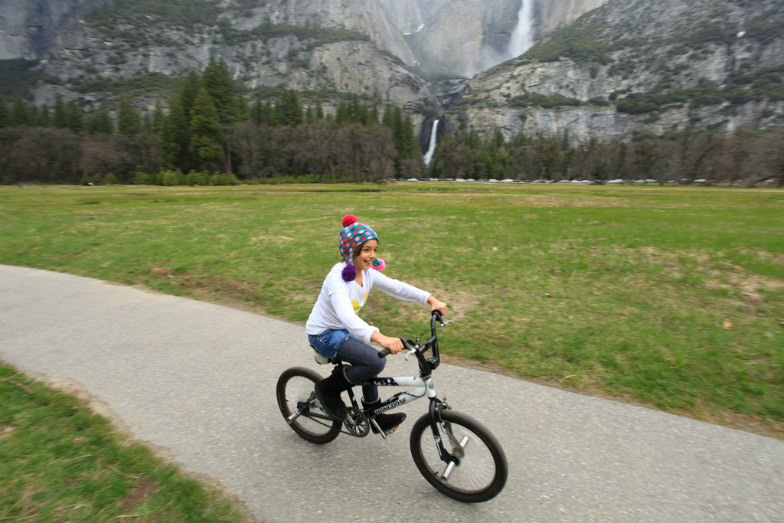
x=339, y=302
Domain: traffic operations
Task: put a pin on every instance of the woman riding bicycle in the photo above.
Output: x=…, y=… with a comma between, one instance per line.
x=336, y=331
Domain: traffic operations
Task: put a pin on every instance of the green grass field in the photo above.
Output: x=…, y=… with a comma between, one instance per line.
x=671, y=297
x=59, y=461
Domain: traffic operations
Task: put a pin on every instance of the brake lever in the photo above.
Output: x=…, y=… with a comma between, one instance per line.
x=409, y=352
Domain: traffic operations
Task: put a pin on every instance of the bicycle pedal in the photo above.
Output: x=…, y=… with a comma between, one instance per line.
x=384, y=432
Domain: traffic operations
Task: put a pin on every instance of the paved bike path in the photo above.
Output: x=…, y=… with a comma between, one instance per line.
x=197, y=381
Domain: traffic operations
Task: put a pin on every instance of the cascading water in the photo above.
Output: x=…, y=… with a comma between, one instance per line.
x=522, y=38
x=431, y=147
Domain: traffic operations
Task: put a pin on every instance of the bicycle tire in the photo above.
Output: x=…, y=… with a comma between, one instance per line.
x=295, y=391
x=482, y=471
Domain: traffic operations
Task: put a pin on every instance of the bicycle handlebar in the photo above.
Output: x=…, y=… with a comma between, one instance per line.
x=435, y=318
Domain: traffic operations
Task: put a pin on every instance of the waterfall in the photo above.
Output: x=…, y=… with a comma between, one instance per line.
x=522, y=39
x=431, y=148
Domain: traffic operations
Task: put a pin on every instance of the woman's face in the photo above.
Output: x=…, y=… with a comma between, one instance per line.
x=367, y=253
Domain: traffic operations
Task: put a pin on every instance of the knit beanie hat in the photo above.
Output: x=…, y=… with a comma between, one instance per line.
x=352, y=236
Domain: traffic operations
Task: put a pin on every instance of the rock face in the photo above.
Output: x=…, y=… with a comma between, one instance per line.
x=377, y=66
x=709, y=50
x=29, y=28
x=366, y=17
x=549, y=15
x=454, y=60
x=464, y=37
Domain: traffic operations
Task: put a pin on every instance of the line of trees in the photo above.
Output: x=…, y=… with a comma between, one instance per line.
x=746, y=157
x=208, y=131
x=210, y=135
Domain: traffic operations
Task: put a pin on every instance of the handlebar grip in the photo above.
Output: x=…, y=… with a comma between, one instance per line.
x=383, y=353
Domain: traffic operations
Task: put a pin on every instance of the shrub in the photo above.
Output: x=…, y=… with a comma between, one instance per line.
x=142, y=178
x=598, y=100
x=706, y=93
x=197, y=178
x=169, y=178
x=545, y=101
x=224, y=179
x=575, y=42
x=766, y=28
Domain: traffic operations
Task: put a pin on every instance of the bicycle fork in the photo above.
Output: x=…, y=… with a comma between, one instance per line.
x=451, y=460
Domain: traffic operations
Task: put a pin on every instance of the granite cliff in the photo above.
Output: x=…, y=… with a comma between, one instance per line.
x=598, y=68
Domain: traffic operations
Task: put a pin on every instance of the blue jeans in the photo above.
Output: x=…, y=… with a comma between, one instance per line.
x=364, y=360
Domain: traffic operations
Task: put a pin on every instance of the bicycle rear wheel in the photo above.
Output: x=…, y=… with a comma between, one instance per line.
x=299, y=406
x=478, y=471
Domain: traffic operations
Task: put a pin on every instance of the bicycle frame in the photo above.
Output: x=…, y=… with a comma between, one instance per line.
x=423, y=385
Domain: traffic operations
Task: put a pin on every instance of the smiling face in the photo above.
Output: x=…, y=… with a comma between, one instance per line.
x=365, y=254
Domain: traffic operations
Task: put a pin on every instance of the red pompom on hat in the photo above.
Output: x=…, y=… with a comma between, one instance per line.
x=352, y=236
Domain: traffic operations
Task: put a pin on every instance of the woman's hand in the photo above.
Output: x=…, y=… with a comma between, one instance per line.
x=393, y=344
x=437, y=305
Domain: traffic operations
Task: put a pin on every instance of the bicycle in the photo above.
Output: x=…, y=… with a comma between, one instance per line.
x=461, y=458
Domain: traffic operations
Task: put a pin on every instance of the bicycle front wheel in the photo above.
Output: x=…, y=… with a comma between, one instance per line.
x=300, y=407
x=476, y=470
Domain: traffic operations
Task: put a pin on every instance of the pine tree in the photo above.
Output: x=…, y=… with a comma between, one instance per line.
x=5, y=118
x=129, y=123
x=257, y=112
x=228, y=106
x=60, y=119
x=74, y=118
x=266, y=111
x=398, y=134
x=219, y=83
x=409, y=142
x=19, y=112
x=157, y=118
x=100, y=122
x=206, y=133
x=187, y=96
x=44, y=117
x=288, y=110
x=174, y=138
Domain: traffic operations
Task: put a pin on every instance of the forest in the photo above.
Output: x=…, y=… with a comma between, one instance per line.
x=212, y=135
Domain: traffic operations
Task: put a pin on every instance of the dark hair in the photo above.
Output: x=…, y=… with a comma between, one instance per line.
x=359, y=247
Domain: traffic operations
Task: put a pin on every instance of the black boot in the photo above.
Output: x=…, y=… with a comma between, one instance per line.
x=328, y=393
x=387, y=422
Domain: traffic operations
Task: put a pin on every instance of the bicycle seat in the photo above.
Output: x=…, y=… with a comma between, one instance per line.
x=323, y=360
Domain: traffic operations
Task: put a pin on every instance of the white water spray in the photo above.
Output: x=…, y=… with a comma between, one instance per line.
x=431, y=148
x=522, y=38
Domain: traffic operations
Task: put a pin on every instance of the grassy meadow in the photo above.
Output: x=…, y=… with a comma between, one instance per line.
x=59, y=461
x=671, y=297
